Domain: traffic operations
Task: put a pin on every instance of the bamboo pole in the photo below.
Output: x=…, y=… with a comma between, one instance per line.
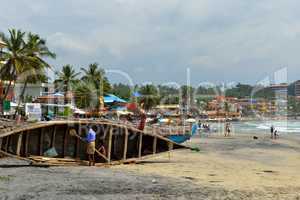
x=53, y=137
x=154, y=145
x=125, y=144
x=109, y=144
x=140, y=144
x=19, y=144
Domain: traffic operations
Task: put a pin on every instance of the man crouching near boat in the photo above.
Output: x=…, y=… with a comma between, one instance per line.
x=90, y=150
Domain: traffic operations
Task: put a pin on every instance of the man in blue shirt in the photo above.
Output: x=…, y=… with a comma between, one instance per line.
x=90, y=150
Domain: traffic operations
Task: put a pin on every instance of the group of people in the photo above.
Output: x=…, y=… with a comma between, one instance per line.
x=274, y=133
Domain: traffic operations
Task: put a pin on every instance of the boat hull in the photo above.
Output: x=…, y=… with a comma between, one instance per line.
x=62, y=140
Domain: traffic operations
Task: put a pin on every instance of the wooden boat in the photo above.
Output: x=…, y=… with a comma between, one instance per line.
x=177, y=134
x=123, y=143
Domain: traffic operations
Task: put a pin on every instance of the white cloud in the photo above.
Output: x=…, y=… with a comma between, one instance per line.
x=256, y=36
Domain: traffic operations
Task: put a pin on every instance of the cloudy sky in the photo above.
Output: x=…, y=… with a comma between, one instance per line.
x=157, y=40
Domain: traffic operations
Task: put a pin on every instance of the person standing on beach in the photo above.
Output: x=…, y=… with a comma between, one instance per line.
x=272, y=132
x=90, y=150
x=227, y=129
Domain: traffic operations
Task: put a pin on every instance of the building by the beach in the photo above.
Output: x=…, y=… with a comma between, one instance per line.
x=2, y=44
x=297, y=88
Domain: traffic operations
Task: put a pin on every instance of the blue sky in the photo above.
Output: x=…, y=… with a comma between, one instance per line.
x=157, y=40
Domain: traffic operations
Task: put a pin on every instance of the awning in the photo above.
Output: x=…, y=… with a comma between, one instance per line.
x=110, y=98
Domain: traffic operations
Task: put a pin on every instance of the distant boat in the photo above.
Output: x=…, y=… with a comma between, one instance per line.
x=184, y=137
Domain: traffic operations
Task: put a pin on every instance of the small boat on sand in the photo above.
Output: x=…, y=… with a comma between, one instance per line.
x=181, y=138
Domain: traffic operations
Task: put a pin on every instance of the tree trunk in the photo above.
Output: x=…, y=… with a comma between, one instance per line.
x=21, y=99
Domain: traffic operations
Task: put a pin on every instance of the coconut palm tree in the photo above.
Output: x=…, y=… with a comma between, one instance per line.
x=95, y=76
x=33, y=71
x=67, y=78
x=14, y=57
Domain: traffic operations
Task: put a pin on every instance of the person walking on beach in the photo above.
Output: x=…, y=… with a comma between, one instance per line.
x=276, y=134
x=90, y=150
x=227, y=129
x=272, y=132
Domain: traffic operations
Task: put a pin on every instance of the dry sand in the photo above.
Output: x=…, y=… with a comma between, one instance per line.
x=231, y=168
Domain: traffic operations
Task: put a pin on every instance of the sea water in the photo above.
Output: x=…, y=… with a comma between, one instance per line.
x=261, y=126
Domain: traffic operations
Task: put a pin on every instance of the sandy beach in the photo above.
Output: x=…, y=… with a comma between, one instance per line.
x=237, y=167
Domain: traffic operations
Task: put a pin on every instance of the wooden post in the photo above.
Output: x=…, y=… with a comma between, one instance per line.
x=77, y=148
x=154, y=145
x=65, y=142
x=7, y=143
x=125, y=144
x=170, y=145
x=109, y=144
x=26, y=144
x=19, y=144
x=53, y=137
x=41, y=142
x=140, y=144
x=0, y=143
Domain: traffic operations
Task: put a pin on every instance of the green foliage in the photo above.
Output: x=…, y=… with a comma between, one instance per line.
x=293, y=105
x=207, y=91
x=96, y=75
x=121, y=90
x=150, y=96
x=85, y=96
x=67, y=112
x=239, y=91
x=24, y=60
x=248, y=91
x=67, y=78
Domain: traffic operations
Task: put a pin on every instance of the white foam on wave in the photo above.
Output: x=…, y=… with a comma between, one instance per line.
x=281, y=126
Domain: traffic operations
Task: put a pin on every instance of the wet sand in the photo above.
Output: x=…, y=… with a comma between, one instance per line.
x=225, y=168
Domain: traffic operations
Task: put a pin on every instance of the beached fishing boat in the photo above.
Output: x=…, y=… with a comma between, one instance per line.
x=177, y=134
x=181, y=138
x=60, y=142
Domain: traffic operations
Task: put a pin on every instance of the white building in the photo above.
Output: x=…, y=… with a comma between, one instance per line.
x=32, y=90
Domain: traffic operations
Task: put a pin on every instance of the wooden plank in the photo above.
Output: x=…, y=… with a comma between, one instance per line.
x=125, y=144
x=154, y=145
x=41, y=142
x=53, y=137
x=140, y=145
x=19, y=144
x=14, y=156
x=109, y=144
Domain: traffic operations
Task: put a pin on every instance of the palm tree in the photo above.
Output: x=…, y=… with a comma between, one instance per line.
x=14, y=58
x=34, y=70
x=96, y=76
x=67, y=78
